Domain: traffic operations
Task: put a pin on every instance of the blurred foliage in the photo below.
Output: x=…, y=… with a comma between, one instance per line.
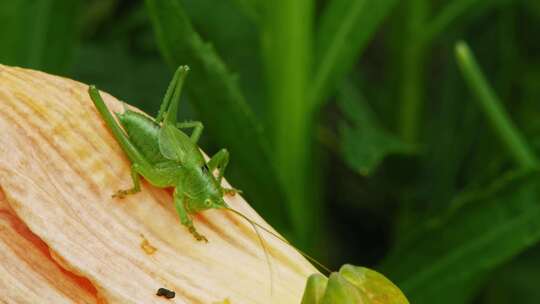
x=355, y=127
x=364, y=142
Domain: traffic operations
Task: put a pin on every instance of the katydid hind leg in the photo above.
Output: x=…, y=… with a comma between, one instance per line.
x=156, y=177
x=169, y=107
x=185, y=219
x=132, y=152
x=159, y=177
x=136, y=185
x=168, y=95
x=197, y=127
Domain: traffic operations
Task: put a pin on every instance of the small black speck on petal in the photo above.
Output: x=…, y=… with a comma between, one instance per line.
x=164, y=292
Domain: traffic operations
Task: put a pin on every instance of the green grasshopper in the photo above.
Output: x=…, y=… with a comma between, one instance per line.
x=167, y=157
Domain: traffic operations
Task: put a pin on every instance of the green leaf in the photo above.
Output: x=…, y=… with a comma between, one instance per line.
x=238, y=44
x=251, y=8
x=454, y=10
x=340, y=290
x=483, y=229
x=286, y=35
x=38, y=34
x=345, y=29
x=493, y=108
x=516, y=282
x=372, y=285
x=216, y=96
x=352, y=284
x=141, y=80
x=315, y=288
x=364, y=143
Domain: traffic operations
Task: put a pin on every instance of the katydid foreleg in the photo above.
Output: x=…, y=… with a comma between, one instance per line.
x=219, y=161
x=183, y=213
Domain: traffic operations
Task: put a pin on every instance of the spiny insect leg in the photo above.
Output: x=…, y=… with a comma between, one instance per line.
x=132, y=152
x=168, y=113
x=220, y=161
x=185, y=219
x=197, y=128
x=159, y=177
x=168, y=95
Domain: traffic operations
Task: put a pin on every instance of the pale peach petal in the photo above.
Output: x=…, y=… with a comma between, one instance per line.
x=59, y=166
x=28, y=274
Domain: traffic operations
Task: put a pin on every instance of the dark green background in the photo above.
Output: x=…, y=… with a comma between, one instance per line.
x=351, y=127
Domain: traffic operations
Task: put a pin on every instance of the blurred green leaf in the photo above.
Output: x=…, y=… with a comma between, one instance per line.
x=345, y=28
x=286, y=44
x=534, y=7
x=493, y=108
x=451, y=11
x=444, y=158
x=94, y=13
x=238, y=45
x=139, y=80
x=484, y=228
x=446, y=15
x=516, y=282
x=38, y=34
x=364, y=142
x=251, y=8
x=216, y=96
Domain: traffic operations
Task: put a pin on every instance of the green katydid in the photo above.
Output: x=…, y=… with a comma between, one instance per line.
x=167, y=157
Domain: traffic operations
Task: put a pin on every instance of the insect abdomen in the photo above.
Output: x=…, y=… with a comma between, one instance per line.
x=143, y=133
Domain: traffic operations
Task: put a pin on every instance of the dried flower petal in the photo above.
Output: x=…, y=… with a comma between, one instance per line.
x=28, y=274
x=59, y=166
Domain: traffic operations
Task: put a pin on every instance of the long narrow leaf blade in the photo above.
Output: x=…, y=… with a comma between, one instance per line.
x=365, y=143
x=345, y=29
x=39, y=34
x=493, y=108
x=216, y=95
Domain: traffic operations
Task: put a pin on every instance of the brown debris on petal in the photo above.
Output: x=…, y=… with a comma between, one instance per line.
x=145, y=245
x=59, y=166
x=164, y=292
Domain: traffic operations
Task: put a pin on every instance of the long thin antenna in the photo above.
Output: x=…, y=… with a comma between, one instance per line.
x=265, y=250
x=255, y=224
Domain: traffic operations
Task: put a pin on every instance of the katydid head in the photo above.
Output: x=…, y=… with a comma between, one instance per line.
x=203, y=189
x=205, y=201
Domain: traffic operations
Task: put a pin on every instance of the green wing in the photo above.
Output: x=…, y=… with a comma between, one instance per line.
x=171, y=143
x=177, y=146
